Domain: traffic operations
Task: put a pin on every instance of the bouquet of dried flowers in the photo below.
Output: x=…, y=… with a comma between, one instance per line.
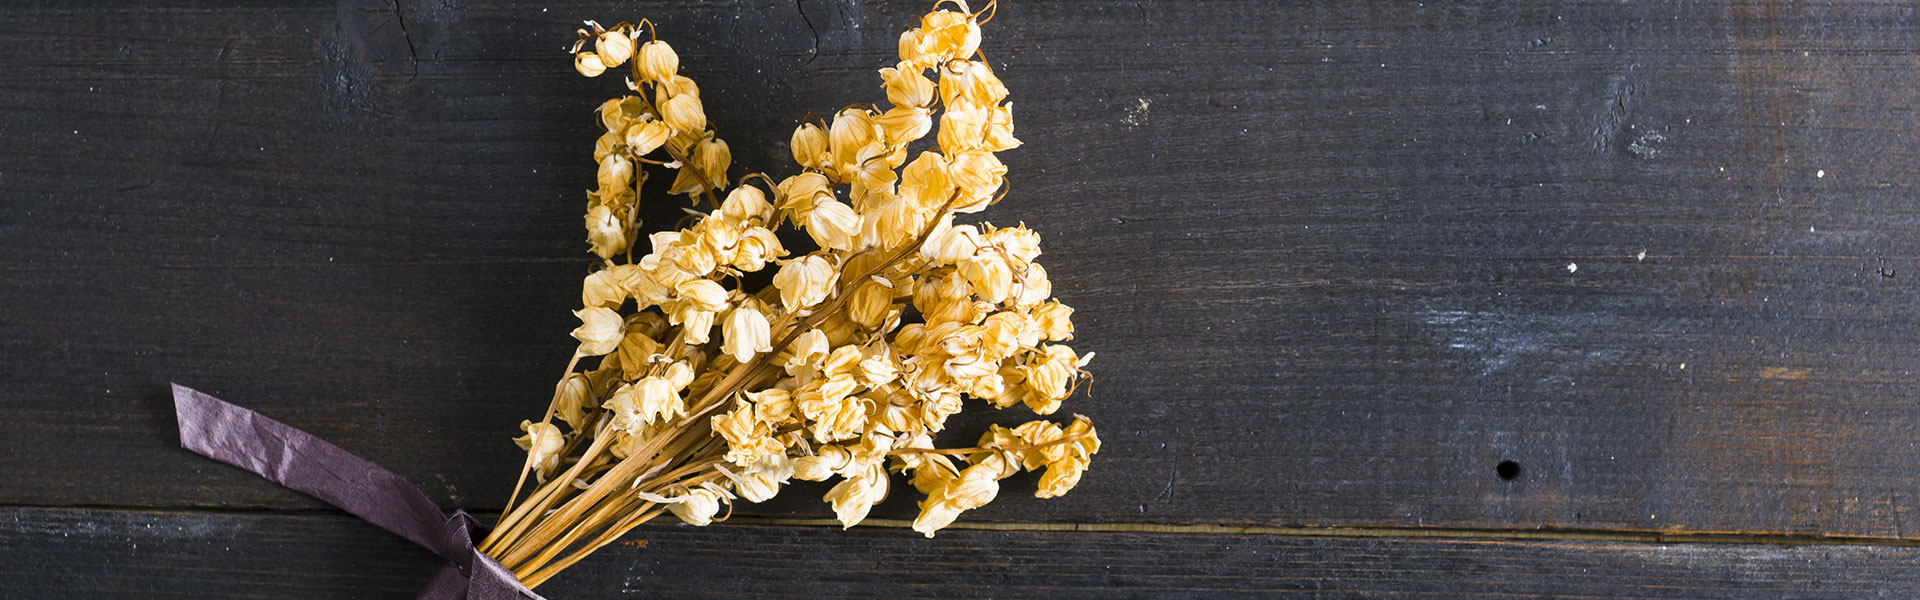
x=848, y=362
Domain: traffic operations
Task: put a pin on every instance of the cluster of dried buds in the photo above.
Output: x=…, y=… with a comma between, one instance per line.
x=849, y=362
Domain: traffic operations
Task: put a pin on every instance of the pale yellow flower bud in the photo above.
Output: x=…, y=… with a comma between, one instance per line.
x=900, y=125
x=915, y=50
x=773, y=406
x=833, y=225
x=697, y=508
x=829, y=460
x=746, y=202
x=870, y=303
x=950, y=35
x=684, y=113
x=616, y=171
x=907, y=86
x=645, y=137
x=746, y=332
x=854, y=497
x=658, y=62
x=602, y=288
x=1060, y=477
x=757, y=246
x=999, y=136
x=698, y=325
x=588, y=64
x=1055, y=321
x=543, y=441
x=809, y=145
x=1032, y=287
x=637, y=351
x=951, y=244
x=852, y=130
x=704, y=294
x=990, y=275
x=805, y=353
x=970, y=82
x=805, y=281
x=614, y=47
x=799, y=193
x=978, y=175
x=1007, y=331
x=1049, y=377
x=600, y=330
x=710, y=160
x=877, y=368
x=576, y=396
x=641, y=284
x=963, y=127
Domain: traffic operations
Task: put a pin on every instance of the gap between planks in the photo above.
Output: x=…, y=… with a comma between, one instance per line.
x=1433, y=533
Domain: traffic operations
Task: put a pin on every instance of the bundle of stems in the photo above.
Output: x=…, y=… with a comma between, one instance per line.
x=848, y=363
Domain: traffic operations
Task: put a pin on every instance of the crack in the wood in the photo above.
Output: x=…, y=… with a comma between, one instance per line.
x=413, y=56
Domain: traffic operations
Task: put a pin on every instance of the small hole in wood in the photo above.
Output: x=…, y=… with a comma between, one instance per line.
x=1507, y=470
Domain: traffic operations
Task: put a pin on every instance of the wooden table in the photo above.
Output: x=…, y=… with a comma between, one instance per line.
x=1341, y=261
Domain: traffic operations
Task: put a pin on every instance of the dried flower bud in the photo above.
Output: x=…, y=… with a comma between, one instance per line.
x=990, y=275
x=999, y=136
x=747, y=332
x=854, y=497
x=710, y=160
x=949, y=34
x=697, y=508
x=900, y=125
x=703, y=294
x=543, y=441
x=746, y=202
x=809, y=146
x=614, y=46
x=657, y=62
x=977, y=175
x=602, y=289
x=907, y=86
x=684, y=113
x=804, y=282
x=833, y=225
x=970, y=82
x=616, y=171
x=600, y=330
x=829, y=460
x=575, y=397
x=588, y=64
x=645, y=137
x=1055, y=321
x=870, y=303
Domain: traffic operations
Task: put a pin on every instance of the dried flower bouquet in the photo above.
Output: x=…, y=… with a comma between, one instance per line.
x=848, y=363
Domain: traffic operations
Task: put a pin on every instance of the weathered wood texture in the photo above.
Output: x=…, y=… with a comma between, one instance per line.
x=1338, y=259
x=124, y=553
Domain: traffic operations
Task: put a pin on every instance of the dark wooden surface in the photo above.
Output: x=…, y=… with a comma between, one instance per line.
x=1338, y=259
x=201, y=554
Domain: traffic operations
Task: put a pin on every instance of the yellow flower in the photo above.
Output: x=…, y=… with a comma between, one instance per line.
x=576, y=395
x=907, y=87
x=658, y=62
x=809, y=145
x=684, y=113
x=990, y=275
x=978, y=175
x=603, y=289
x=543, y=441
x=804, y=282
x=747, y=332
x=757, y=246
x=588, y=64
x=902, y=124
x=704, y=294
x=614, y=47
x=710, y=160
x=827, y=460
x=646, y=136
x=697, y=507
x=833, y=225
x=600, y=330
x=1049, y=377
x=1055, y=320
x=999, y=136
x=744, y=203
x=970, y=82
x=605, y=231
x=853, y=497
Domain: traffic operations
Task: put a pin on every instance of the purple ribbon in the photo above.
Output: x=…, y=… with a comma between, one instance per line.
x=297, y=460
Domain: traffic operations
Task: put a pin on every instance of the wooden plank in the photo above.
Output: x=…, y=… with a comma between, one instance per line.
x=1338, y=259
x=191, y=554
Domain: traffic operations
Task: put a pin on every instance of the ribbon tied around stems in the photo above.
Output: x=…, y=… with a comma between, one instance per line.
x=296, y=459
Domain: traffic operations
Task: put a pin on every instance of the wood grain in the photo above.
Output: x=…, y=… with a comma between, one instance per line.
x=165, y=554
x=1338, y=259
